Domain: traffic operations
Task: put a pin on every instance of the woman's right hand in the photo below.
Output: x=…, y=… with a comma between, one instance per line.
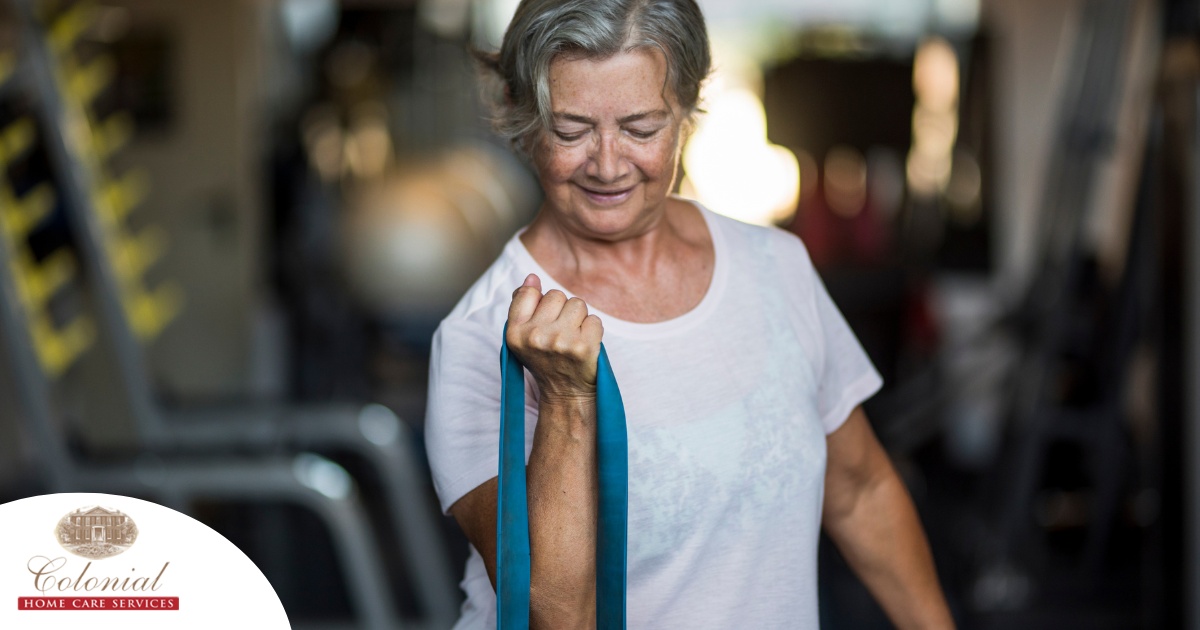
x=556, y=339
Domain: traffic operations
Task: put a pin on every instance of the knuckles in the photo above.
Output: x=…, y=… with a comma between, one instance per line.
x=562, y=345
x=538, y=338
x=545, y=339
x=548, y=341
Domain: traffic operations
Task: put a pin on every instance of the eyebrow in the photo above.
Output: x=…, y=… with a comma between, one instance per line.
x=658, y=113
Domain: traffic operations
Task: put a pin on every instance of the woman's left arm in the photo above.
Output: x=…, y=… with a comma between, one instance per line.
x=869, y=515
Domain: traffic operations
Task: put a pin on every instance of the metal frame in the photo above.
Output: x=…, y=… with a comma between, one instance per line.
x=177, y=484
x=278, y=435
x=1085, y=122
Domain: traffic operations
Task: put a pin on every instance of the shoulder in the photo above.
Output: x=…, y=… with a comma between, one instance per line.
x=781, y=249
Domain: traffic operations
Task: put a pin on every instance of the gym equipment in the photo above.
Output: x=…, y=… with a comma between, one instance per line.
x=412, y=244
x=198, y=444
x=512, y=524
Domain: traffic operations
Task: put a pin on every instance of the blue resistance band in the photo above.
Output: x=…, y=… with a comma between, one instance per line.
x=512, y=525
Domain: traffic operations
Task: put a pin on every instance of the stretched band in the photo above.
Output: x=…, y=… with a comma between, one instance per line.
x=512, y=523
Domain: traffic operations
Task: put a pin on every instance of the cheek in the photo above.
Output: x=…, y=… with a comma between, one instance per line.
x=557, y=164
x=658, y=159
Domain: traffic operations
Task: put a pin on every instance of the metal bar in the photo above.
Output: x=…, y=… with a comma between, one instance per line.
x=75, y=186
x=309, y=481
x=32, y=385
x=1085, y=118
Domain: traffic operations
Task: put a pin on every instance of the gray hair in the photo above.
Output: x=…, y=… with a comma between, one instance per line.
x=594, y=29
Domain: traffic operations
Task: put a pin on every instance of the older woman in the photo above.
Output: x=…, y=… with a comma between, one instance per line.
x=740, y=378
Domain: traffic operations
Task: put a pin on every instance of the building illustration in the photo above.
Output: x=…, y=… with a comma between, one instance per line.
x=96, y=532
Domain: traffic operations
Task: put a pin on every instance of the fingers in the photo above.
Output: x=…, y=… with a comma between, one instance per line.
x=555, y=338
x=532, y=280
x=549, y=309
x=537, y=317
x=529, y=304
x=525, y=300
x=593, y=330
x=573, y=312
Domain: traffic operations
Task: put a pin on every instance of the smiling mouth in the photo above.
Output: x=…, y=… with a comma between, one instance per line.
x=607, y=197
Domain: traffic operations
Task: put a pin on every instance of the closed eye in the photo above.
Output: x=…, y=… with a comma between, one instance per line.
x=643, y=134
x=569, y=137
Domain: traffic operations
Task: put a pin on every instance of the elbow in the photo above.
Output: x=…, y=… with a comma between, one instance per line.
x=855, y=497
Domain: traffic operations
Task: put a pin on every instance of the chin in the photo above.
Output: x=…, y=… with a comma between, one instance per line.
x=613, y=221
x=607, y=224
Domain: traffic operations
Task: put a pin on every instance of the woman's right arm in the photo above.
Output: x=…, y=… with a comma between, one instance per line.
x=559, y=343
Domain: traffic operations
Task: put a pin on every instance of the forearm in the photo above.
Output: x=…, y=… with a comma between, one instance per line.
x=561, y=483
x=881, y=537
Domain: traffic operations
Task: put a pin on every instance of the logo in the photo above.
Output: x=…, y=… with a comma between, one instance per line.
x=70, y=559
x=96, y=532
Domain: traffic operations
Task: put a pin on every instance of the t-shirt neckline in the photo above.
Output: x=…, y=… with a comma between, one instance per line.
x=625, y=328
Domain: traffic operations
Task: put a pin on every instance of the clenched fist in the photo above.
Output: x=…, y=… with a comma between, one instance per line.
x=556, y=339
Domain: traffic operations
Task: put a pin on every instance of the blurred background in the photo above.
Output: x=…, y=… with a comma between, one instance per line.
x=230, y=228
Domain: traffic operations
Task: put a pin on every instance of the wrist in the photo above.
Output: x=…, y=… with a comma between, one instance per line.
x=572, y=412
x=566, y=392
x=568, y=401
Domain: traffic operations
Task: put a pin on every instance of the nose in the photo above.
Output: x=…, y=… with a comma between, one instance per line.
x=606, y=162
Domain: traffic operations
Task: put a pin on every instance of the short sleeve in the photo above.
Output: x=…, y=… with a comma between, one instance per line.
x=463, y=411
x=846, y=376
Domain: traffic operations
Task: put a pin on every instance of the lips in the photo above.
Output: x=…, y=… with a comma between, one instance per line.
x=607, y=197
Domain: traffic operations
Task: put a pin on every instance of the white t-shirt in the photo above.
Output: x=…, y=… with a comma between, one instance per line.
x=727, y=408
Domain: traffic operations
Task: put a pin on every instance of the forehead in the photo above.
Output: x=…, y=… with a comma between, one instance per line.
x=631, y=81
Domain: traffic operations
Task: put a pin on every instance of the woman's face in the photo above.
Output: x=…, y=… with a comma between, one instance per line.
x=609, y=160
